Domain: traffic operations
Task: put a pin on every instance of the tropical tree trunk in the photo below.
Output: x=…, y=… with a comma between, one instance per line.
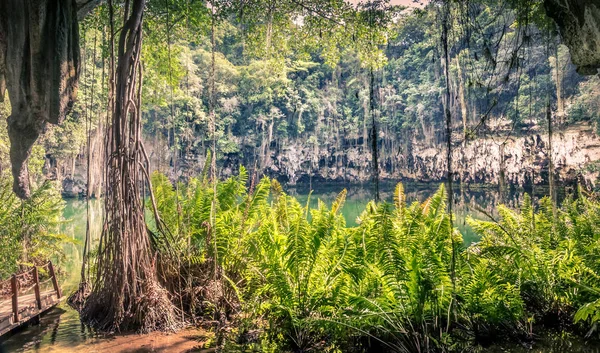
x=126, y=293
x=374, y=133
x=550, y=162
x=447, y=113
x=502, y=174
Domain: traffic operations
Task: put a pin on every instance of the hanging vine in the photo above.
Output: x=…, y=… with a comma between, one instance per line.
x=448, y=117
x=78, y=297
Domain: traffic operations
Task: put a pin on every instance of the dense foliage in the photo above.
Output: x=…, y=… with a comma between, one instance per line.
x=309, y=282
x=30, y=232
x=294, y=99
x=294, y=110
x=30, y=229
x=319, y=87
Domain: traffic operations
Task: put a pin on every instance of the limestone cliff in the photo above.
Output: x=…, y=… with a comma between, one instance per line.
x=517, y=159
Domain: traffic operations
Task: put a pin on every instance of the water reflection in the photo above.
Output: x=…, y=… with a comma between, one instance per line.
x=74, y=226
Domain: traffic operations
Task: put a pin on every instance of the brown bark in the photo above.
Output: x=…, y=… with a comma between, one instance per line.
x=126, y=293
x=448, y=116
x=461, y=97
x=374, y=133
x=550, y=160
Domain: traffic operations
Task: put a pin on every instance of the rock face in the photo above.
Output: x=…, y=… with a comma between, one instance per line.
x=73, y=187
x=579, y=23
x=39, y=65
x=490, y=159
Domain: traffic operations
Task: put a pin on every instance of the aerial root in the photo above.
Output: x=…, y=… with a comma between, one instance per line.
x=156, y=311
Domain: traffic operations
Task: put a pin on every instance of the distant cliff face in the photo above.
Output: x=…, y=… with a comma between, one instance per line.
x=517, y=160
x=521, y=160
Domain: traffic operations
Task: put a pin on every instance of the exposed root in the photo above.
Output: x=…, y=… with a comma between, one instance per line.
x=77, y=299
x=151, y=310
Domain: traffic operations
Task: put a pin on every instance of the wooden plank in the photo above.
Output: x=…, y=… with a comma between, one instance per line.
x=36, y=280
x=22, y=308
x=28, y=310
x=15, y=297
x=54, y=280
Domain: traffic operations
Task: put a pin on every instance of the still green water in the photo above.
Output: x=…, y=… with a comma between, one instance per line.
x=60, y=330
x=474, y=202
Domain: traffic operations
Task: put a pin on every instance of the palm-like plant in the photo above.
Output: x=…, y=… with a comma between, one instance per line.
x=298, y=260
x=544, y=256
x=401, y=286
x=311, y=279
x=205, y=251
x=581, y=219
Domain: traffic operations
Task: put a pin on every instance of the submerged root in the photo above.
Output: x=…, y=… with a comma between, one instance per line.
x=77, y=299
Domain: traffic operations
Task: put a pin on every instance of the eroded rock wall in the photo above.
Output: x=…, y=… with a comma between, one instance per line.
x=520, y=159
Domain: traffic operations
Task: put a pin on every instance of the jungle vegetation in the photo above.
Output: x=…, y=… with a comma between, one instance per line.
x=308, y=89
x=294, y=278
x=177, y=96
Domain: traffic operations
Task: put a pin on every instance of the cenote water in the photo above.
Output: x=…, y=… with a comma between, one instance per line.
x=60, y=329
